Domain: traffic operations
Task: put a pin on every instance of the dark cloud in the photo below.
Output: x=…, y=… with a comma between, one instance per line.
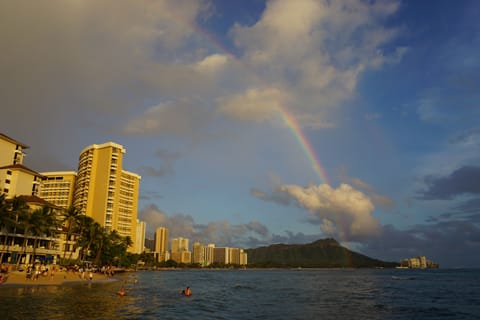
x=469, y=206
x=222, y=233
x=275, y=196
x=469, y=137
x=451, y=243
x=465, y=180
x=167, y=161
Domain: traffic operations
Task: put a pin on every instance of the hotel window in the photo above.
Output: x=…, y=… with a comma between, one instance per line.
x=5, y=190
x=9, y=172
x=7, y=181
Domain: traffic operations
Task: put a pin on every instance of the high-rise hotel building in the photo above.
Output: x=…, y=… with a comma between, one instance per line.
x=180, y=252
x=140, y=237
x=58, y=187
x=106, y=192
x=161, y=244
x=15, y=178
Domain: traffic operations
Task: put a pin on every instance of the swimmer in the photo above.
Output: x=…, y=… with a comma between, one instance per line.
x=122, y=292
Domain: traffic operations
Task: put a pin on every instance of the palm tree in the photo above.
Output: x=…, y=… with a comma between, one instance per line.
x=29, y=221
x=102, y=239
x=71, y=218
x=11, y=211
x=89, y=233
x=5, y=221
x=47, y=226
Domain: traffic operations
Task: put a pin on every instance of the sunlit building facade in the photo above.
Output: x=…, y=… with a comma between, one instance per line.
x=180, y=251
x=140, y=237
x=11, y=151
x=106, y=192
x=58, y=187
x=161, y=243
x=209, y=253
x=198, y=254
x=15, y=178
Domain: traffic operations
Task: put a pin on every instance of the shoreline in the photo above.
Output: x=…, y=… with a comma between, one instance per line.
x=61, y=278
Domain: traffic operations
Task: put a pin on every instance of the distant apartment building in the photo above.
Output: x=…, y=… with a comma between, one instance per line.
x=161, y=243
x=198, y=254
x=180, y=251
x=420, y=262
x=221, y=255
x=209, y=254
x=15, y=178
x=149, y=245
x=58, y=188
x=106, y=192
x=234, y=254
x=140, y=237
x=243, y=258
x=226, y=255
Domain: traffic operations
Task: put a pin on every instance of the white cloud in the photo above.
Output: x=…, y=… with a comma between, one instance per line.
x=385, y=202
x=254, y=104
x=212, y=63
x=221, y=233
x=343, y=211
x=317, y=49
x=181, y=118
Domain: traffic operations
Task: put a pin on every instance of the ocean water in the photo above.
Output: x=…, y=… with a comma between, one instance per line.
x=257, y=294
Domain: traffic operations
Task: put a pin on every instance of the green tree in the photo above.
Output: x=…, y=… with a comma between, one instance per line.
x=28, y=220
x=46, y=225
x=71, y=219
x=91, y=233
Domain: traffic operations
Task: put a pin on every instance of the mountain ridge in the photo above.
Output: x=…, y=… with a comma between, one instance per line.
x=322, y=253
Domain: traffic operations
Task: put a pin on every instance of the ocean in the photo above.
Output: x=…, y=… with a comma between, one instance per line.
x=257, y=294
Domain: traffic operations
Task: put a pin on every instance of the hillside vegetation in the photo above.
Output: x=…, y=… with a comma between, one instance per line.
x=325, y=253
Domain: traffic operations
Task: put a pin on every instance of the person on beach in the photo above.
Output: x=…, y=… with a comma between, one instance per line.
x=28, y=273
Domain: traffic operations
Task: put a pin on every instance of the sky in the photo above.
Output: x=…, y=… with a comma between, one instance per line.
x=258, y=122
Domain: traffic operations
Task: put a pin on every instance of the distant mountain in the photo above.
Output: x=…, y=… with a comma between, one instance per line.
x=325, y=253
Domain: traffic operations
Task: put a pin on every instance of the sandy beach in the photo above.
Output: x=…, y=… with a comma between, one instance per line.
x=17, y=278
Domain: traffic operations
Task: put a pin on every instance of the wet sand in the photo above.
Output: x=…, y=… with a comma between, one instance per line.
x=17, y=278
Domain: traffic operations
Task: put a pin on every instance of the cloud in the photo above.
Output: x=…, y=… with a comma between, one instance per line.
x=181, y=118
x=222, y=233
x=316, y=49
x=167, y=160
x=463, y=180
x=253, y=105
x=459, y=237
x=451, y=243
x=343, y=212
x=277, y=197
x=470, y=206
x=469, y=137
x=212, y=64
x=385, y=202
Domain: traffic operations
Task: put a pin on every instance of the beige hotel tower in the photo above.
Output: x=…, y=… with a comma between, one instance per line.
x=106, y=192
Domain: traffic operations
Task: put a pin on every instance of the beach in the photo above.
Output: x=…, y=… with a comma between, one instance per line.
x=18, y=278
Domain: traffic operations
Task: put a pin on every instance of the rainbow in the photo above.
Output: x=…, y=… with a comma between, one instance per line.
x=288, y=118
x=306, y=146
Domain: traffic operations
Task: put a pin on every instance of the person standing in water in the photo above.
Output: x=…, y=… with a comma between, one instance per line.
x=188, y=291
